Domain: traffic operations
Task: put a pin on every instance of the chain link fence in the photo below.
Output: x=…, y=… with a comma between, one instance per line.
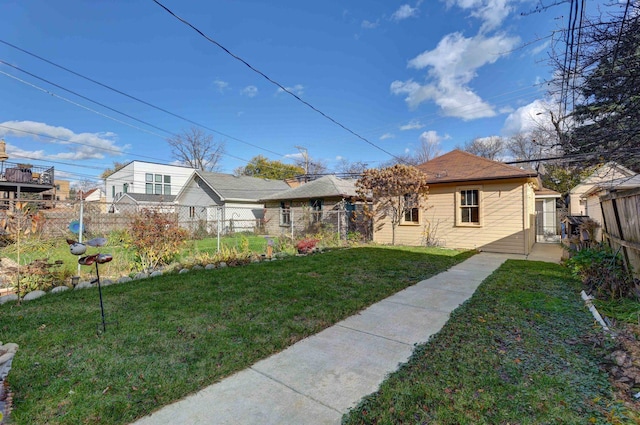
x=56, y=219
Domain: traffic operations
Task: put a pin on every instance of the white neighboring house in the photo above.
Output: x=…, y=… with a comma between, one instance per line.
x=147, y=178
x=225, y=202
x=95, y=198
x=592, y=197
x=93, y=195
x=605, y=173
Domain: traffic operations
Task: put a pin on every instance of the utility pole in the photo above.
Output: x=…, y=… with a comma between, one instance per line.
x=305, y=156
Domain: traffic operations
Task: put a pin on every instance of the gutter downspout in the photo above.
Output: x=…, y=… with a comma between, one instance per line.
x=587, y=299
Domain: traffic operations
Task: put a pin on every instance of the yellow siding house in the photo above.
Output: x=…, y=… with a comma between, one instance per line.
x=473, y=203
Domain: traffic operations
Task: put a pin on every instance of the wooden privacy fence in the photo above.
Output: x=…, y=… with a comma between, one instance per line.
x=621, y=216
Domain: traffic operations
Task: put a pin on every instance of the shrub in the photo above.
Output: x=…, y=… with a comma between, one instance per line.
x=602, y=272
x=284, y=244
x=244, y=245
x=156, y=238
x=306, y=245
x=120, y=237
x=42, y=275
x=354, y=237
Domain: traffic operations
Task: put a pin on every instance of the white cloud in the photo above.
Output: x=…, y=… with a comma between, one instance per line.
x=298, y=90
x=404, y=12
x=370, y=25
x=527, y=118
x=221, y=85
x=386, y=136
x=430, y=136
x=298, y=155
x=78, y=146
x=412, y=125
x=250, y=91
x=491, y=12
x=451, y=66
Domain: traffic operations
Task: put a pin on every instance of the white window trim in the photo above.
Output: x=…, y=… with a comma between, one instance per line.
x=459, y=222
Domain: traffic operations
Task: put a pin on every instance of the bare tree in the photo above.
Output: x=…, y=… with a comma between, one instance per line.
x=347, y=167
x=404, y=159
x=427, y=150
x=525, y=147
x=83, y=186
x=196, y=149
x=491, y=147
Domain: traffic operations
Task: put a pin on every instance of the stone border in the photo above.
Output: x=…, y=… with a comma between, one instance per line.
x=139, y=276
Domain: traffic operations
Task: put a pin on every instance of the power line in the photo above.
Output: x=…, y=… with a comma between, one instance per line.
x=98, y=112
x=77, y=104
x=272, y=81
x=87, y=99
x=136, y=98
x=94, y=111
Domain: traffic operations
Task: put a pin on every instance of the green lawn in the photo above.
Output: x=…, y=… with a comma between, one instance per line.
x=179, y=333
x=522, y=350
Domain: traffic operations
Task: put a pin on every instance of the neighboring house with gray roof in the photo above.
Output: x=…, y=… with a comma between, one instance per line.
x=216, y=201
x=134, y=202
x=326, y=203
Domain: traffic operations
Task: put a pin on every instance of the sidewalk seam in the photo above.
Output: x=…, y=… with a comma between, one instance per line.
x=295, y=390
x=375, y=335
x=420, y=307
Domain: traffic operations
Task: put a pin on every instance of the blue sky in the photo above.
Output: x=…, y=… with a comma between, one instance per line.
x=394, y=72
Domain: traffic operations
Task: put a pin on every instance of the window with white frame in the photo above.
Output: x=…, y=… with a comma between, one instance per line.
x=167, y=185
x=285, y=213
x=157, y=184
x=469, y=209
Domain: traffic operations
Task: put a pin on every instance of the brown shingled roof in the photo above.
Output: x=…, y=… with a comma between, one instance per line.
x=460, y=166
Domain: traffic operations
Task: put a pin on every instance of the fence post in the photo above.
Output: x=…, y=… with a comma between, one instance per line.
x=218, y=213
x=291, y=220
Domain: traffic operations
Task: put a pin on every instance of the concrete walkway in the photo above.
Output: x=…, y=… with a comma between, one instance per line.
x=318, y=379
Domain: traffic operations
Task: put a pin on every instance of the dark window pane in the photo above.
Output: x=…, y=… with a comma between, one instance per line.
x=475, y=215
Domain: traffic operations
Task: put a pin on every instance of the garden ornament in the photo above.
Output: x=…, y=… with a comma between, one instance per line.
x=88, y=260
x=78, y=248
